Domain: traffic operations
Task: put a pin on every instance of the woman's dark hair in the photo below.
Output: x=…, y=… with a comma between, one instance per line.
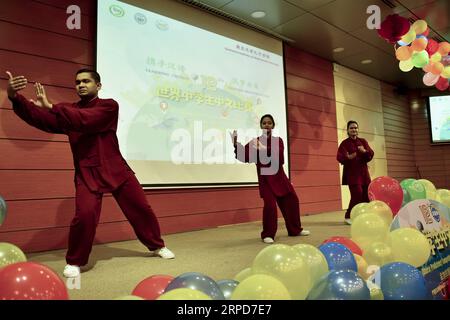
x=94, y=74
x=267, y=116
x=350, y=122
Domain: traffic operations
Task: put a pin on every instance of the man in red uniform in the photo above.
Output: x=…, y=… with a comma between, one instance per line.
x=91, y=126
x=267, y=152
x=354, y=153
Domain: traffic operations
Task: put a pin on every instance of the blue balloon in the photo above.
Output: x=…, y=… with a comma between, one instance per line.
x=401, y=43
x=338, y=256
x=401, y=281
x=227, y=287
x=196, y=281
x=340, y=285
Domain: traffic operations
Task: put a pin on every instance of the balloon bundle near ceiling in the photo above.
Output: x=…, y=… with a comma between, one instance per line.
x=414, y=49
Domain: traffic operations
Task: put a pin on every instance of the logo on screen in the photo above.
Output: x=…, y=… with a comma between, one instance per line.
x=116, y=10
x=162, y=25
x=435, y=213
x=140, y=18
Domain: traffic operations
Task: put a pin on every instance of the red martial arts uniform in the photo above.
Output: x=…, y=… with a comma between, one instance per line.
x=273, y=188
x=99, y=168
x=356, y=173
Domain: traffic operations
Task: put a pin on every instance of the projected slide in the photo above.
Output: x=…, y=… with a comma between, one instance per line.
x=440, y=118
x=181, y=90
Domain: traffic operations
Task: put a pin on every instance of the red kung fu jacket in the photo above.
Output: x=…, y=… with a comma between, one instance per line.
x=91, y=128
x=269, y=165
x=355, y=170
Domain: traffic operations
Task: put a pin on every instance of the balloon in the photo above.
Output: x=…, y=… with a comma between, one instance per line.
x=387, y=190
x=314, y=259
x=430, y=189
x=401, y=281
x=261, y=287
x=367, y=229
x=352, y=246
x=362, y=266
x=378, y=254
x=340, y=285
x=406, y=65
x=409, y=246
x=409, y=36
x=442, y=84
x=436, y=57
x=3, y=210
x=444, y=48
x=129, y=297
x=338, y=256
x=184, y=294
x=227, y=286
x=247, y=272
x=445, y=72
x=406, y=197
x=287, y=265
x=358, y=209
x=436, y=68
x=152, y=287
x=415, y=189
x=382, y=210
x=10, y=254
x=419, y=44
x=31, y=281
x=196, y=281
x=430, y=79
x=419, y=26
x=403, y=53
x=420, y=59
x=443, y=196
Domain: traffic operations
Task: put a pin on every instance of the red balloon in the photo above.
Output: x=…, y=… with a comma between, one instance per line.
x=352, y=246
x=442, y=84
x=31, y=281
x=387, y=190
x=152, y=287
x=432, y=47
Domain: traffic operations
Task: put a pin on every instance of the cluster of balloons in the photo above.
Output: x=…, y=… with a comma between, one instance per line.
x=415, y=49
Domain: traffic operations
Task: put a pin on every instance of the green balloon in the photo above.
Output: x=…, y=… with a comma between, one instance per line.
x=415, y=189
x=420, y=59
x=10, y=254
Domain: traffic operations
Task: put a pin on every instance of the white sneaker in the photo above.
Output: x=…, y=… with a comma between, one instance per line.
x=268, y=240
x=305, y=232
x=71, y=271
x=348, y=221
x=164, y=253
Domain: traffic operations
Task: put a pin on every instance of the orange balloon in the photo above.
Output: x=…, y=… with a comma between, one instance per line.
x=427, y=67
x=444, y=48
x=419, y=44
x=403, y=53
x=436, y=68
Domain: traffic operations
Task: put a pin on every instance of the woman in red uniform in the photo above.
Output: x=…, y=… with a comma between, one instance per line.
x=354, y=153
x=267, y=152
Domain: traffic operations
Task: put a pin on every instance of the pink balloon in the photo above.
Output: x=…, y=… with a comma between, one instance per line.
x=442, y=84
x=152, y=287
x=430, y=79
x=31, y=281
x=387, y=190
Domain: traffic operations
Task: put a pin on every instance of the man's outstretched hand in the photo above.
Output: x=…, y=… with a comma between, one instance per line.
x=15, y=84
x=41, y=97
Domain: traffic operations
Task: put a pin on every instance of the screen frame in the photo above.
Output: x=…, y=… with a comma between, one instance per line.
x=430, y=128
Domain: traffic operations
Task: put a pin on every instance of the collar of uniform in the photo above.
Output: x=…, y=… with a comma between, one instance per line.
x=88, y=104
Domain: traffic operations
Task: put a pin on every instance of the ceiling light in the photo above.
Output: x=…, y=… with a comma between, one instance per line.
x=367, y=61
x=258, y=14
x=339, y=49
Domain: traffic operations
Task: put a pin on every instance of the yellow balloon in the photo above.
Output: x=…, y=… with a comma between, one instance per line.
x=287, y=265
x=419, y=26
x=443, y=196
x=436, y=57
x=129, y=297
x=406, y=65
x=243, y=274
x=368, y=228
x=409, y=37
x=409, y=246
x=358, y=210
x=378, y=254
x=382, y=210
x=446, y=72
x=362, y=266
x=261, y=287
x=315, y=261
x=10, y=254
x=184, y=294
x=429, y=188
